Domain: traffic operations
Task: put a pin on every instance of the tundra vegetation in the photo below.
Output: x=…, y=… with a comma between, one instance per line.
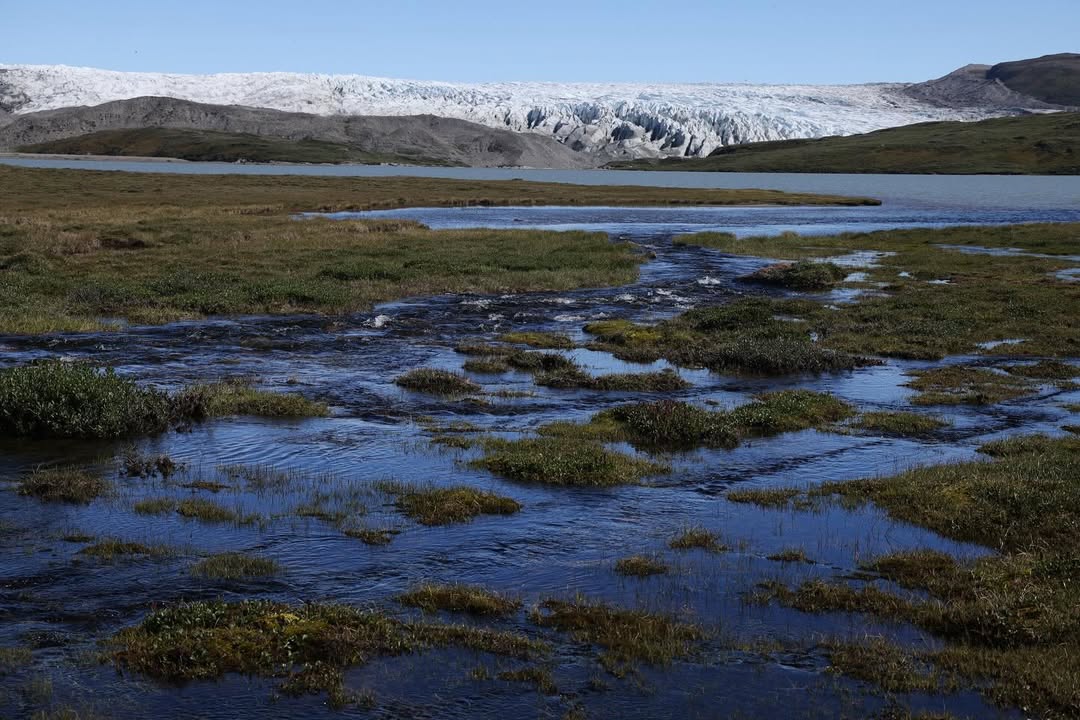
x=232, y=246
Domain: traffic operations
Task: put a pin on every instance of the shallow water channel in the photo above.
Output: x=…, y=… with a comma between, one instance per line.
x=563, y=543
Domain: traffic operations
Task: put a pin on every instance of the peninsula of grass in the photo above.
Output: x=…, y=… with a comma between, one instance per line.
x=564, y=462
x=448, y=505
x=900, y=423
x=238, y=397
x=670, y=425
x=1044, y=144
x=486, y=366
x=67, y=485
x=956, y=385
x=152, y=247
x=235, y=566
x=933, y=299
x=1008, y=619
x=626, y=636
x=641, y=566
x=109, y=550
x=459, y=598
x=437, y=382
x=752, y=336
x=309, y=645
x=74, y=400
x=801, y=275
x=697, y=538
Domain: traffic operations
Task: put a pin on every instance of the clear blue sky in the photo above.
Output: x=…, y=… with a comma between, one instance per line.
x=827, y=41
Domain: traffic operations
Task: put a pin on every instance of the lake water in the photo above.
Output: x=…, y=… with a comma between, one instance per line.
x=1001, y=192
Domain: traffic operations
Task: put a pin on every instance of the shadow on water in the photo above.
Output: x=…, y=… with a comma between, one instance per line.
x=564, y=541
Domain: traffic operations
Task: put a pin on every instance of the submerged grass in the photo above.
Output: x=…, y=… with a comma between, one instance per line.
x=956, y=385
x=662, y=381
x=778, y=497
x=308, y=645
x=68, y=485
x=697, y=538
x=235, y=566
x=1009, y=620
x=448, y=505
x=460, y=598
x=564, y=462
x=111, y=549
x=231, y=397
x=904, y=424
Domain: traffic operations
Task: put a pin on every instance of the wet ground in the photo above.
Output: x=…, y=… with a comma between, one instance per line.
x=562, y=544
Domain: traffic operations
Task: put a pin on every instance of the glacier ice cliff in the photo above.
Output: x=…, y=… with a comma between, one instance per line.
x=608, y=119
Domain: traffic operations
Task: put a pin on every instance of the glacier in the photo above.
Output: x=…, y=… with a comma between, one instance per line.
x=608, y=119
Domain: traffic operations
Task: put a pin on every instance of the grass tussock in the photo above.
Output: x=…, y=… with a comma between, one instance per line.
x=697, y=538
x=627, y=636
x=155, y=506
x=903, y=424
x=308, y=645
x=448, y=505
x=235, y=566
x=486, y=366
x=460, y=598
x=437, y=382
x=641, y=566
x=802, y=275
x=563, y=462
x=206, y=511
x=67, y=485
x=956, y=385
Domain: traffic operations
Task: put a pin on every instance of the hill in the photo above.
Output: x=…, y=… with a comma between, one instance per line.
x=1029, y=145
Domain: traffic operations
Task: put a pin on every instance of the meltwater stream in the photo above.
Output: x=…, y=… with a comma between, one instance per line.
x=562, y=544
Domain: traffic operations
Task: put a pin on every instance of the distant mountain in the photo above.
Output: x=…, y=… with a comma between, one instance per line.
x=295, y=137
x=606, y=120
x=1052, y=78
x=1034, y=144
x=557, y=125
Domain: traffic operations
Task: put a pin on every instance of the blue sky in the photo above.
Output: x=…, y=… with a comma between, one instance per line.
x=827, y=41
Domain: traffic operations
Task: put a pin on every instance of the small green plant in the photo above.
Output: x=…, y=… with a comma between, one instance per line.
x=206, y=510
x=58, y=399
